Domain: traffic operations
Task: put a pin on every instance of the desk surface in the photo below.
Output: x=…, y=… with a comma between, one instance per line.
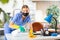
x=24, y=36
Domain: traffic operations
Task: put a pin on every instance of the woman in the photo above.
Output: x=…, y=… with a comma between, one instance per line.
x=18, y=20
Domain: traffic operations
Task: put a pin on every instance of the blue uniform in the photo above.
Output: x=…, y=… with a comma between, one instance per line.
x=17, y=19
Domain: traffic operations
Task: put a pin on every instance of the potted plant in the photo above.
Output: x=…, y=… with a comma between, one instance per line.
x=55, y=11
x=6, y=17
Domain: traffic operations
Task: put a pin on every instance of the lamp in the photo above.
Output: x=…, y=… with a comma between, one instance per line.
x=49, y=18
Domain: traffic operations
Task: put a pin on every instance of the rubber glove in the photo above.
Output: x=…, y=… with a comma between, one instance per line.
x=15, y=26
x=22, y=29
x=31, y=35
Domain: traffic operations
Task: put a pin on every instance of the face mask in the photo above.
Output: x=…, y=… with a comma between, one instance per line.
x=25, y=14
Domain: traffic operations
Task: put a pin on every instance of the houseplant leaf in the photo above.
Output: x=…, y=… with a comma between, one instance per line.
x=55, y=11
x=4, y=1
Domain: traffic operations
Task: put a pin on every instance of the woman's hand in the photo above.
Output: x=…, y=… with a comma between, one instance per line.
x=14, y=26
x=22, y=29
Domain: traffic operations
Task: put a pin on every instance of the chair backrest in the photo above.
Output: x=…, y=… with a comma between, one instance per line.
x=37, y=26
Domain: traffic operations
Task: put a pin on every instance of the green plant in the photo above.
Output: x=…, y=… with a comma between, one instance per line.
x=6, y=18
x=1, y=23
x=4, y=1
x=55, y=11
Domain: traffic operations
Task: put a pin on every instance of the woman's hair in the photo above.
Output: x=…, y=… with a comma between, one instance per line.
x=25, y=6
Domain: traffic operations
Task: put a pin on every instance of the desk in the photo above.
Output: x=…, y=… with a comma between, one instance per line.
x=24, y=36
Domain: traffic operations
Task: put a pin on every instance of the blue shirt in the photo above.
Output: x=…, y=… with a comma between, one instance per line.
x=17, y=19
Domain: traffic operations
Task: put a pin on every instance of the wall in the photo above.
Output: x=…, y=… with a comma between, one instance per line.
x=14, y=5
x=45, y=0
x=35, y=7
x=43, y=5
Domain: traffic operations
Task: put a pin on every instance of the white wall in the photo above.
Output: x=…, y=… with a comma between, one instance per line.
x=36, y=15
x=45, y=0
x=17, y=4
x=43, y=5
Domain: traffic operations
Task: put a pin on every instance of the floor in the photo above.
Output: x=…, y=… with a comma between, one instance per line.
x=1, y=37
